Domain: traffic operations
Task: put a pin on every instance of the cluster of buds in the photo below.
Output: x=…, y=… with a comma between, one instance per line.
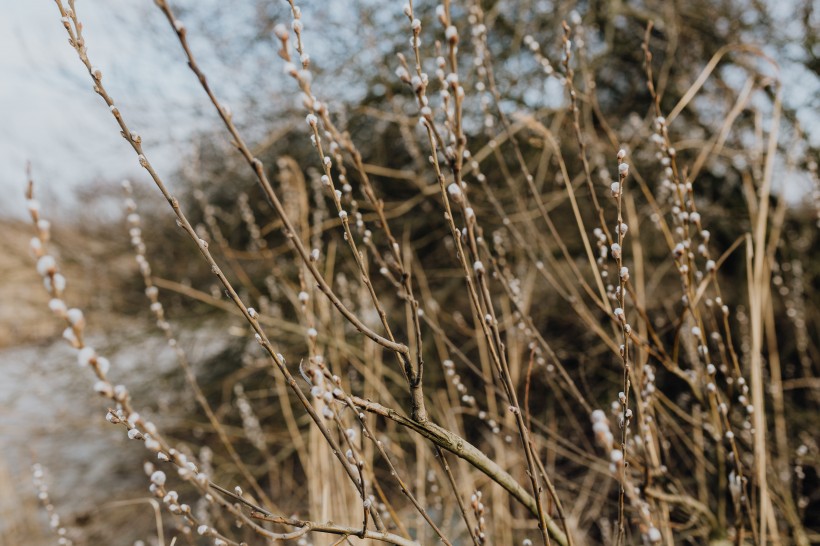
x=137, y=427
x=601, y=242
x=250, y=422
x=603, y=435
x=535, y=48
x=302, y=75
x=604, y=438
x=41, y=487
x=737, y=487
x=324, y=391
x=170, y=498
x=318, y=112
x=455, y=379
x=257, y=242
x=53, y=281
x=55, y=285
x=135, y=233
x=327, y=392
x=479, y=38
x=492, y=423
x=479, y=531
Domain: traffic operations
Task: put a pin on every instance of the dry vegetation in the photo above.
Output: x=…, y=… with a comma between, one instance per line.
x=467, y=312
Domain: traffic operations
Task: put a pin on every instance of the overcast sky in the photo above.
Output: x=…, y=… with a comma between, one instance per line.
x=49, y=115
x=52, y=118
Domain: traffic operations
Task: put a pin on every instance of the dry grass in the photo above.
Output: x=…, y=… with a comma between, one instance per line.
x=485, y=336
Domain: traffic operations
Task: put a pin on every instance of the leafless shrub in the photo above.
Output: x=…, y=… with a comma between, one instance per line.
x=489, y=336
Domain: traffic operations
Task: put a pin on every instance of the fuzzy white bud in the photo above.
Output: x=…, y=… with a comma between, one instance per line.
x=75, y=317
x=57, y=307
x=86, y=356
x=281, y=31
x=158, y=478
x=46, y=265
